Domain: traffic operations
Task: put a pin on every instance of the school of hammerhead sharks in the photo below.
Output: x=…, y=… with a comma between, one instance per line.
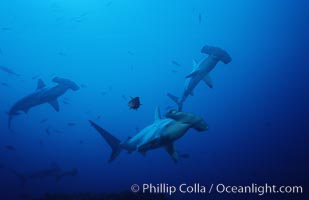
x=163, y=132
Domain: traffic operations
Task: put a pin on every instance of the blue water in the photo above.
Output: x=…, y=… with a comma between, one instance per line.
x=257, y=112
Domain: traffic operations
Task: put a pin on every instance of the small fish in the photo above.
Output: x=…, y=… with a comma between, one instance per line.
x=81, y=142
x=71, y=124
x=10, y=148
x=99, y=117
x=47, y=131
x=6, y=28
x=58, y=131
x=79, y=18
x=8, y=70
x=174, y=62
x=200, y=17
x=184, y=155
x=62, y=54
x=41, y=143
x=4, y=84
x=131, y=53
x=174, y=71
x=137, y=129
x=35, y=77
x=134, y=103
x=106, y=91
x=65, y=102
x=83, y=86
x=109, y=3
x=43, y=120
x=124, y=97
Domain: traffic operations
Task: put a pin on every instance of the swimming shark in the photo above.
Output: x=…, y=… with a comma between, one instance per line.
x=163, y=132
x=201, y=72
x=53, y=171
x=8, y=70
x=42, y=95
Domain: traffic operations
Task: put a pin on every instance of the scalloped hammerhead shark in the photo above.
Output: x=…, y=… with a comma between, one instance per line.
x=42, y=95
x=163, y=132
x=201, y=72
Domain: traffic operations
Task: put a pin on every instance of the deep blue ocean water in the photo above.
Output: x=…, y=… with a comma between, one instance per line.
x=257, y=112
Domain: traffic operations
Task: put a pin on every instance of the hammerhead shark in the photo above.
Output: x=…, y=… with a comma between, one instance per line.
x=163, y=132
x=52, y=171
x=42, y=95
x=201, y=72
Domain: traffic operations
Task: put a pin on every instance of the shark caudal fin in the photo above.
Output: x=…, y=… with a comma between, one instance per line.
x=218, y=52
x=113, y=142
x=176, y=100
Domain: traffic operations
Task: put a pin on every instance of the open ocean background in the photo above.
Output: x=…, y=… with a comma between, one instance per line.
x=258, y=111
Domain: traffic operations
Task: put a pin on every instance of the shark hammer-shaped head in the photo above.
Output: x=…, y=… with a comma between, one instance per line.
x=66, y=82
x=196, y=122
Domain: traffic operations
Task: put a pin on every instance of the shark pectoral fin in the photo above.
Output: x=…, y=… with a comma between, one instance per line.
x=195, y=64
x=40, y=84
x=172, y=152
x=157, y=114
x=193, y=74
x=152, y=144
x=55, y=104
x=208, y=81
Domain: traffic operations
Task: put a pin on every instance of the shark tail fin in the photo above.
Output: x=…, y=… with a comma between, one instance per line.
x=112, y=141
x=218, y=52
x=176, y=100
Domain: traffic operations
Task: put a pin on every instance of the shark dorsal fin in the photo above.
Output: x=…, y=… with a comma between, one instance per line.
x=55, y=104
x=40, y=84
x=157, y=114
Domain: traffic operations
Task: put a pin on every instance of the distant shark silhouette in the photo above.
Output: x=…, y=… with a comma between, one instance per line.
x=52, y=171
x=42, y=95
x=162, y=133
x=201, y=72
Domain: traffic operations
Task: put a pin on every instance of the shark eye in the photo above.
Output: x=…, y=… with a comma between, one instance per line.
x=173, y=111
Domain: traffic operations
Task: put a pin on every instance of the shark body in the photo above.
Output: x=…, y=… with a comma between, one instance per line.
x=42, y=95
x=162, y=133
x=201, y=72
x=53, y=171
